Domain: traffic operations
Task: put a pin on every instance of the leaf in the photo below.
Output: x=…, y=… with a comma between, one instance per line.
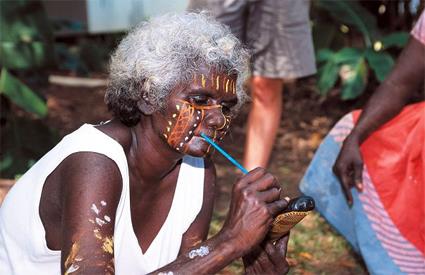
x=352, y=14
x=348, y=55
x=328, y=75
x=22, y=55
x=355, y=84
x=324, y=55
x=21, y=95
x=380, y=62
x=26, y=36
x=5, y=162
x=397, y=39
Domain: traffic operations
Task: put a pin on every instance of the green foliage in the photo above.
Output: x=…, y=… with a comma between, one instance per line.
x=24, y=142
x=26, y=46
x=26, y=37
x=21, y=95
x=396, y=39
x=380, y=62
x=351, y=67
x=351, y=14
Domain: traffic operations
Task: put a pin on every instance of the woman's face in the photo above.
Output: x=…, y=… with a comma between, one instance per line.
x=203, y=105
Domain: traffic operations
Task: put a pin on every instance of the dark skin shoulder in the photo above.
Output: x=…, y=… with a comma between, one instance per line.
x=89, y=190
x=78, y=205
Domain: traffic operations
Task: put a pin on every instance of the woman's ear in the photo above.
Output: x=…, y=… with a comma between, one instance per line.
x=145, y=105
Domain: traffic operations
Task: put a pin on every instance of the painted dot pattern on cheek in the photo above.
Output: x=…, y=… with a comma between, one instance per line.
x=184, y=123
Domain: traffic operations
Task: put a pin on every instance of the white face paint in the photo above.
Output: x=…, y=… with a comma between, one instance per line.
x=201, y=252
x=100, y=222
x=103, y=203
x=95, y=209
x=72, y=268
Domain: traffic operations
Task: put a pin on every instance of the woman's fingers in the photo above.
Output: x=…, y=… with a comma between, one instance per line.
x=269, y=195
x=282, y=245
x=346, y=184
x=276, y=207
x=358, y=176
x=277, y=254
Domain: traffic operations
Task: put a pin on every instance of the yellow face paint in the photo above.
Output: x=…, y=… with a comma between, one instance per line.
x=227, y=85
x=217, y=81
x=97, y=234
x=72, y=254
x=108, y=245
x=203, y=80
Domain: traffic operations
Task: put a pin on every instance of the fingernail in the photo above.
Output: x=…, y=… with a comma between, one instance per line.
x=287, y=198
x=359, y=186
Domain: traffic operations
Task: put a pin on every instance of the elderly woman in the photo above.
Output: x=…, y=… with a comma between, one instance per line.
x=135, y=195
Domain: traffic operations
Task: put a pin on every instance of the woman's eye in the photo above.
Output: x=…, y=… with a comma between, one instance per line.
x=226, y=109
x=199, y=100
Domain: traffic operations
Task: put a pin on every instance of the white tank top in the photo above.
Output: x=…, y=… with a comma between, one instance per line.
x=23, y=248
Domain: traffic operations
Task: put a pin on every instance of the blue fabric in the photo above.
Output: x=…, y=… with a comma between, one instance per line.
x=320, y=183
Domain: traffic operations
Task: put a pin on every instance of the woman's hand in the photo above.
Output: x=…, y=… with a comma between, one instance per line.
x=348, y=167
x=268, y=258
x=255, y=202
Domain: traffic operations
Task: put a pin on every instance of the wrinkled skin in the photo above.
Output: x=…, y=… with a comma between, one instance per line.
x=268, y=258
x=392, y=95
x=255, y=202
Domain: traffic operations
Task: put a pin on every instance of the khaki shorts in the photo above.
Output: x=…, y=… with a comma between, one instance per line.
x=277, y=32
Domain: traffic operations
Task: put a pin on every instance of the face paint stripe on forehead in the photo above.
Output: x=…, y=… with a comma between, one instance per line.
x=195, y=79
x=227, y=85
x=203, y=80
x=212, y=80
x=217, y=83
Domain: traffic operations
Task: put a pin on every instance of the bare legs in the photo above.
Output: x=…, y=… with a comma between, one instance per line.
x=263, y=120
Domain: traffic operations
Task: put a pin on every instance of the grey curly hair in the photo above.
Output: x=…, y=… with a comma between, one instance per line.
x=166, y=51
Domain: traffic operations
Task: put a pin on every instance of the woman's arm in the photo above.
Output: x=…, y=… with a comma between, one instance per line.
x=267, y=258
x=393, y=94
x=388, y=100
x=92, y=187
x=255, y=201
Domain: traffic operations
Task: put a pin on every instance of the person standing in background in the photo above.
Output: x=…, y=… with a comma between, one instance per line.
x=278, y=33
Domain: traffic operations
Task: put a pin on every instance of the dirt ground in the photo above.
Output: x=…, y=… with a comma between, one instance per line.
x=306, y=119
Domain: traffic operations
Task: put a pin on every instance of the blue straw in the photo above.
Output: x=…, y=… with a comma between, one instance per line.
x=226, y=155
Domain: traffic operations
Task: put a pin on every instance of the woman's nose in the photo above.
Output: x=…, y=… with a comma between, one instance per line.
x=215, y=119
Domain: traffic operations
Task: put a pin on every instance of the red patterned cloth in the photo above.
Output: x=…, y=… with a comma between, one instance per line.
x=395, y=159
